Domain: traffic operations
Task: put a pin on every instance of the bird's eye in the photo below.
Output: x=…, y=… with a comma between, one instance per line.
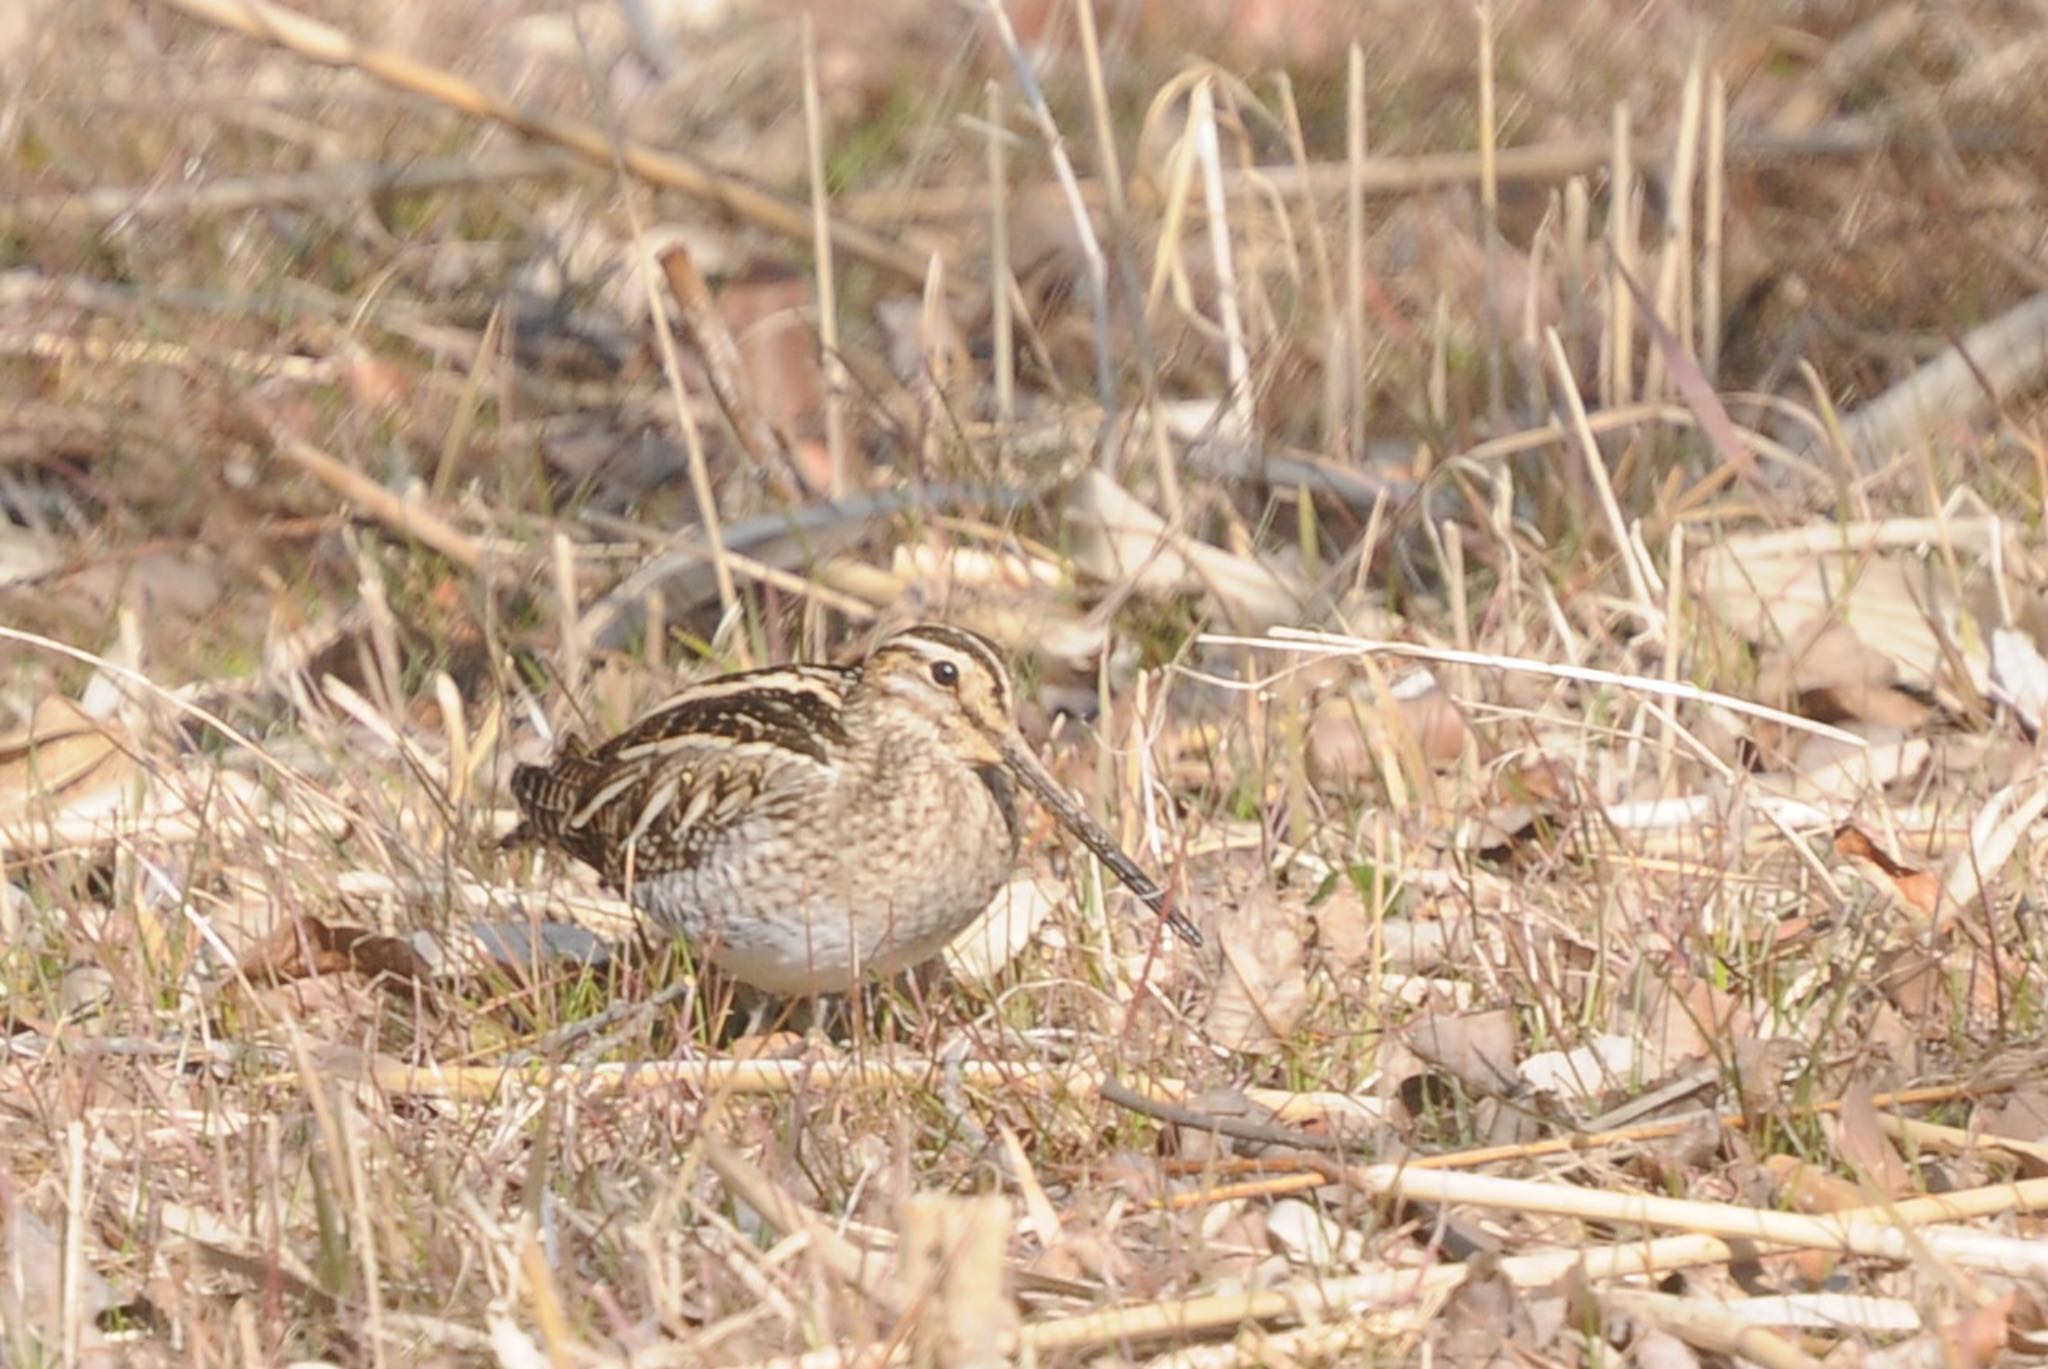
x=945, y=673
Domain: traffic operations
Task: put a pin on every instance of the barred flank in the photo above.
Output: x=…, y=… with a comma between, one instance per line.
x=548, y=794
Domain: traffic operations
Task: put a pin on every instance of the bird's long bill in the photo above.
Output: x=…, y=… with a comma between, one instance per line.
x=1019, y=760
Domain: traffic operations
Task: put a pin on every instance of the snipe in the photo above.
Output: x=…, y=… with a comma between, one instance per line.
x=804, y=826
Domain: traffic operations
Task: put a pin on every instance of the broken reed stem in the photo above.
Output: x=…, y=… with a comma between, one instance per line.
x=1712, y=228
x=408, y=518
x=1877, y=1233
x=855, y=1267
x=831, y=366
x=1336, y=644
x=1000, y=323
x=1340, y=415
x=724, y=370
x=1400, y=175
x=1639, y=578
x=240, y=194
x=1115, y=202
x=1355, y=150
x=1489, y=216
x=693, y=439
x=1618, y=378
x=1242, y=421
x=1673, y=300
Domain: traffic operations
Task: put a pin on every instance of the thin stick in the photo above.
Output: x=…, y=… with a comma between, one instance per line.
x=1621, y=255
x=1489, y=216
x=1862, y=1235
x=999, y=266
x=1333, y=644
x=1127, y=283
x=723, y=369
x=1237, y=359
x=71, y=1279
x=829, y=360
x=1712, y=228
x=1673, y=300
x=569, y=612
x=326, y=44
x=1338, y=415
x=407, y=517
x=1355, y=149
x=686, y=419
x=1639, y=578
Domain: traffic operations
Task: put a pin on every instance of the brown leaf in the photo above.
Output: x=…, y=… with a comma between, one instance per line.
x=1865, y=1148
x=1825, y=672
x=1345, y=736
x=1684, y=1019
x=1478, y=1049
x=1755, y=583
x=306, y=947
x=778, y=353
x=64, y=761
x=1264, y=990
x=1925, y=985
x=2021, y=1115
x=32, y=1293
x=1972, y=1339
x=1978, y=1335
x=1808, y=1188
x=1344, y=930
x=1484, y=1321
x=1919, y=891
x=1117, y=538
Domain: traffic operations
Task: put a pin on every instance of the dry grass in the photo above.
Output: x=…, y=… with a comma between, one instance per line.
x=1682, y=917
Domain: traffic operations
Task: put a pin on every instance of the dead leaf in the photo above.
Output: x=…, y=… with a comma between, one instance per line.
x=1918, y=892
x=1119, y=540
x=1346, y=737
x=1930, y=988
x=64, y=763
x=1414, y=946
x=306, y=947
x=1005, y=928
x=1604, y=1064
x=1264, y=990
x=1310, y=1238
x=509, y=947
x=1861, y=1145
x=1477, y=1049
x=32, y=1293
x=1871, y=576
x=2021, y=1115
x=1484, y=1321
x=1973, y=1339
x=764, y=309
x=1839, y=769
x=1344, y=930
x=1995, y=833
x=1684, y=1019
x=1825, y=672
x=2019, y=675
x=1804, y=1187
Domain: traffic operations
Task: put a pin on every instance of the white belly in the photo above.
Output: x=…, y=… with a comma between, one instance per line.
x=845, y=911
